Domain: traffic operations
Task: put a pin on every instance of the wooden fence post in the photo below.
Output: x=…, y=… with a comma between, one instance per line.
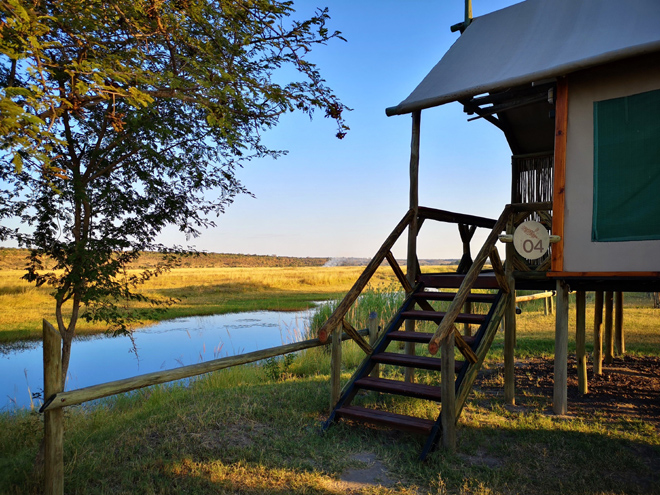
x=598, y=333
x=373, y=336
x=619, y=336
x=448, y=393
x=551, y=303
x=580, y=341
x=609, y=336
x=335, y=367
x=53, y=420
x=560, y=392
x=545, y=306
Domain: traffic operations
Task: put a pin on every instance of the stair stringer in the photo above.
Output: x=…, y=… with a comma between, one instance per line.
x=465, y=379
x=366, y=366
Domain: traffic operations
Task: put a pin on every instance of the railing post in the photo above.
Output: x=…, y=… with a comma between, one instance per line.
x=335, y=367
x=373, y=336
x=448, y=393
x=53, y=420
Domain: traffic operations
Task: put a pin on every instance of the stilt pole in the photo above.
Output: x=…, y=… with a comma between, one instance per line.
x=560, y=394
x=580, y=341
x=609, y=336
x=619, y=336
x=598, y=332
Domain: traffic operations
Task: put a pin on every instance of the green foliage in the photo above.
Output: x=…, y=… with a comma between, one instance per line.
x=278, y=369
x=119, y=118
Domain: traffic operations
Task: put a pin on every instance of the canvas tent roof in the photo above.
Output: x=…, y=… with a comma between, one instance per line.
x=537, y=40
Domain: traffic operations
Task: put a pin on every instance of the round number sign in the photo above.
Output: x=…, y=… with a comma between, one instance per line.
x=531, y=240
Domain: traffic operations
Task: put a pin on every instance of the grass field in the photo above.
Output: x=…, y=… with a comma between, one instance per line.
x=200, y=291
x=255, y=429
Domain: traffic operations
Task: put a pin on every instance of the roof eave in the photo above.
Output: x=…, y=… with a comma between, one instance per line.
x=550, y=73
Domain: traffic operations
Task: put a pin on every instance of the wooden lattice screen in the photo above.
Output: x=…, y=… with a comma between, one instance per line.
x=532, y=182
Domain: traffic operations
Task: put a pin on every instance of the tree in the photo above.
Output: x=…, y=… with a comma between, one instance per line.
x=121, y=117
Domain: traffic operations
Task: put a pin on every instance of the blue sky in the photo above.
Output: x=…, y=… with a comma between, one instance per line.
x=338, y=198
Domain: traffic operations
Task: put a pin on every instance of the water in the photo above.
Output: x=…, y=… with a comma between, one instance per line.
x=166, y=345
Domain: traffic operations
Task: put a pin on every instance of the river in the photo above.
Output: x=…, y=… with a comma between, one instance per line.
x=166, y=345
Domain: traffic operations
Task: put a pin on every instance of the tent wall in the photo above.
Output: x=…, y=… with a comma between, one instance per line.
x=584, y=88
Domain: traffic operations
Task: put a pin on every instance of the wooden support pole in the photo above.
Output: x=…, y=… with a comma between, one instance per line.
x=411, y=262
x=598, y=332
x=619, y=336
x=580, y=341
x=546, y=304
x=373, y=336
x=448, y=393
x=467, y=309
x=53, y=420
x=609, y=336
x=510, y=328
x=551, y=300
x=335, y=368
x=560, y=393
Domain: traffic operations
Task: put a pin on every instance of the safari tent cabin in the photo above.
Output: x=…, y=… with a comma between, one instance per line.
x=574, y=85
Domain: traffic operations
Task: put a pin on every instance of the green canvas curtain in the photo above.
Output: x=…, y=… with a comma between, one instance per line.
x=627, y=168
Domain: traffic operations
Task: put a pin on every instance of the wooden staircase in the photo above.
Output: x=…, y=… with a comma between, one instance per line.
x=419, y=307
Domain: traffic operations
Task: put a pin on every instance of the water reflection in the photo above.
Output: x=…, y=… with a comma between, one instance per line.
x=167, y=345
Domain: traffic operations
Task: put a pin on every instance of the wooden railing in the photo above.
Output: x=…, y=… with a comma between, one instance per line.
x=467, y=226
x=56, y=399
x=488, y=250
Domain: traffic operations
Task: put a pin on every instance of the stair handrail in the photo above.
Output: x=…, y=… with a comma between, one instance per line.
x=338, y=315
x=446, y=326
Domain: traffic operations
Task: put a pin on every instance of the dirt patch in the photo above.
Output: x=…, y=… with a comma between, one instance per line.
x=629, y=388
x=355, y=480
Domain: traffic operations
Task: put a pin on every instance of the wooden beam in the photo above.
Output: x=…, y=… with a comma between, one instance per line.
x=353, y=333
x=498, y=268
x=580, y=341
x=411, y=262
x=53, y=420
x=560, y=392
x=534, y=297
x=352, y=295
x=451, y=217
x=559, y=187
x=403, y=280
x=619, y=336
x=598, y=333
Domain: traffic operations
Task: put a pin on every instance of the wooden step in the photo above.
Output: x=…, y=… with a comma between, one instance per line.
x=421, y=362
x=454, y=280
x=449, y=296
x=421, y=337
x=383, y=418
x=439, y=315
x=397, y=387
